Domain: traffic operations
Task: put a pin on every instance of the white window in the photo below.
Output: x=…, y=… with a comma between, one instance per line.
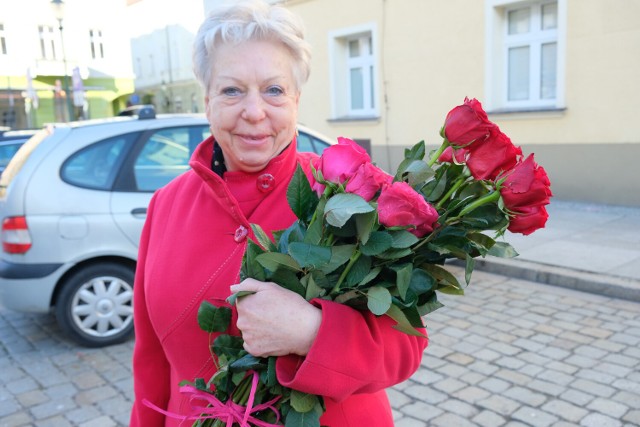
x=525, y=55
x=48, y=42
x=3, y=41
x=354, y=73
x=97, y=45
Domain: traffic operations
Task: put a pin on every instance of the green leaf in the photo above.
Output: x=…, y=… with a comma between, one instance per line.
x=503, y=250
x=303, y=402
x=212, y=318
x=442, y=275
x=246, y=363
x=275, y=260
x=312, y=290
x=263, y=238
x=430, y=306
x=418, y=172
x=231, y=299
x=370, y=276
x=450, y=290
x=340, y=254
x=313, y=235
x=421, y=282
x=287, y=279
x=358, y=270
x=343, y=206
x=403, y=277
x=302, y=419
x=394, y=254
x=403, y=239
x=365, y=224
x=378, y=300
x=251, y=267
x=379, y=241
x=307, y=255
x=403, y=324
x=302, y=199
x=271, y=372
x=470, y=264
x=228, y=345
x=482, y=240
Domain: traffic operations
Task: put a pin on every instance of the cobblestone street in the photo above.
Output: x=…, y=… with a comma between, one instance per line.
x=509, y=353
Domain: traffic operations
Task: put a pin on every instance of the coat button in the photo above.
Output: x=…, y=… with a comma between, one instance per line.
x=265, y=182
x=240, y=234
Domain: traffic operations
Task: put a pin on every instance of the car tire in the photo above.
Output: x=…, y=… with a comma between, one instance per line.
x=95, y=305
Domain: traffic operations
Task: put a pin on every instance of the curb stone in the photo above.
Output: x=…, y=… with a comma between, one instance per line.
x=595, y=283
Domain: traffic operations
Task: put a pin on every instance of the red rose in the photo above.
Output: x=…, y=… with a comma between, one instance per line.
x=467, y=123
x=339, y=162
x=496, y=154
x=448, y=153
x=525, y=192
x=367, y=181
x=399, y=205
x=529, y=220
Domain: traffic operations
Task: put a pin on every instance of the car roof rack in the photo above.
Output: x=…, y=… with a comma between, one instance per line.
x=144, y=112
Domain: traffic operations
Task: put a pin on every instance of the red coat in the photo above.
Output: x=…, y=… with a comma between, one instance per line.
x=191, y=250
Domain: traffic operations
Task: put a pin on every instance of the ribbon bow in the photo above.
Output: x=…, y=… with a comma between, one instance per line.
x=205, y=405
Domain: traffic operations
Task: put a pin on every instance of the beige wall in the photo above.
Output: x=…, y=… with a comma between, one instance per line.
x=432, y=55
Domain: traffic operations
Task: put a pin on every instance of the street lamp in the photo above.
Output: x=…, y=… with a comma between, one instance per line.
x=58, y=11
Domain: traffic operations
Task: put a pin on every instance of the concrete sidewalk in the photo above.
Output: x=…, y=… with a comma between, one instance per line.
x=588, y=247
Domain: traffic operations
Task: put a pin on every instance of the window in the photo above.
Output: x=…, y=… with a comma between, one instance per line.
x=47, y=42
x=97, y=165
x=3, y=41
x=97, y=46
x=354, y=73
x=525, y=61
x=166, y=155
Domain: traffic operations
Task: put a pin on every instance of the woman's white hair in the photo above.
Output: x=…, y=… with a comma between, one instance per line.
x=250, y=20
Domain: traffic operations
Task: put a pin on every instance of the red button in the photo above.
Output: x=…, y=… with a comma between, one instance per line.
x=241, y=234
x=265, y=182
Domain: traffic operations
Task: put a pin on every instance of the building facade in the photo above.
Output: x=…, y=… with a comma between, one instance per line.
x=558, y=76
x=55, y=68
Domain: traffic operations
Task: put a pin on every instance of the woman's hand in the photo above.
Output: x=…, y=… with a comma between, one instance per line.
x=275, y=321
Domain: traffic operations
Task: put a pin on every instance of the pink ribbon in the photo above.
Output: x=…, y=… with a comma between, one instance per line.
x=210, y=407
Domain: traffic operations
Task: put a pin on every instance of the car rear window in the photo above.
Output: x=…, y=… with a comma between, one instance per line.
x=20, y=157
x=97, y=165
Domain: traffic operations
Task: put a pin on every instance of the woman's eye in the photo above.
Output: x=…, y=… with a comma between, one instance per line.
x=274, y=90
x=231, y=91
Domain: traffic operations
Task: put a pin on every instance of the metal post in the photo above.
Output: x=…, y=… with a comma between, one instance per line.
x=65, y=82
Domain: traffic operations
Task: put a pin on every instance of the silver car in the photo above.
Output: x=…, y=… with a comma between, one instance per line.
x=73, y=201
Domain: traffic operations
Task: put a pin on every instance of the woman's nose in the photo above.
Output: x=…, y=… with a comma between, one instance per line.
x=254, y=108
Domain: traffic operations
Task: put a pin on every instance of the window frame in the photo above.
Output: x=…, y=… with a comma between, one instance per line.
x=340, y=70
x=498, y=42
x=49, y=41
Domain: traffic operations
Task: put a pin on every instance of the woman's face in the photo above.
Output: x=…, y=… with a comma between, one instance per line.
x=252, y=104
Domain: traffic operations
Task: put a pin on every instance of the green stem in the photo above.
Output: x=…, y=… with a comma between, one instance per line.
x=488, y=198
x=343, y=276
x=439, y=151
x=449, y=193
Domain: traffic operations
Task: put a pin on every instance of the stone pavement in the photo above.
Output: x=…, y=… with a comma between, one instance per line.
x=511, y=352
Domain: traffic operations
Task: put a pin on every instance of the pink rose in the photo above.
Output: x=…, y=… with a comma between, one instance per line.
x=339, y=162
x=496, y=154
x=525, y=192
x=467, y=123
x=399, y=205
x=367, y=181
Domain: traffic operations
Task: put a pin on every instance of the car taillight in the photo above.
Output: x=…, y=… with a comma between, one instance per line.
x=15, y=235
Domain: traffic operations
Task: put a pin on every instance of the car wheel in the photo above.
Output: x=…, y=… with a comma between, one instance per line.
x=95, y=305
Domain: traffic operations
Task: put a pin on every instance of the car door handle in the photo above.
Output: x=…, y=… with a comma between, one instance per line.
x=139, y=212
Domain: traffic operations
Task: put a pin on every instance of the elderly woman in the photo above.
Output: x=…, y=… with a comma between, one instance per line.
x=252, y=60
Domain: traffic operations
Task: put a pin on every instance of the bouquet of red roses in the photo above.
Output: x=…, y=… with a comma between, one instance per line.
x=376, y=242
